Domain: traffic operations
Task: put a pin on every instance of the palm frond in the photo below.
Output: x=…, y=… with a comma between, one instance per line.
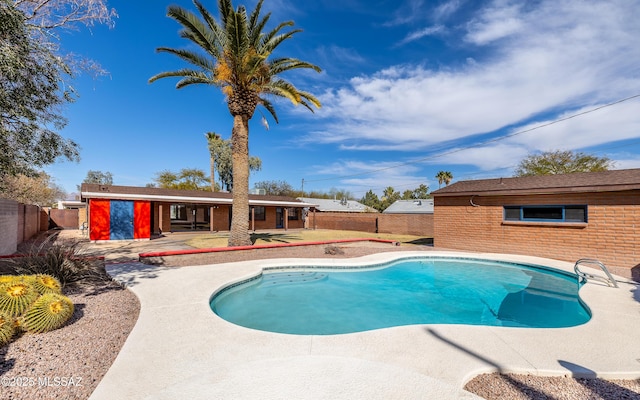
x=269, y=107
x=190, y=57
x=197, y=78
x=172, y=74
x=267, y=41
x=280, y=65
x=237, y=33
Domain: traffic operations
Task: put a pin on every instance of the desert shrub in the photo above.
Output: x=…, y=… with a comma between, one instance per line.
x=64, y=261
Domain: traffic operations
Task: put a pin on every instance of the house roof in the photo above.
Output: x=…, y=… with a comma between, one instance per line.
x=418, y=206
x=334, y=205
x=94, y=191
x=606, y=181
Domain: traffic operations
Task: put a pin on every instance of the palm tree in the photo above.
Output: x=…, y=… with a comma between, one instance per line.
x=444, y=176
x=215, y=143
x=237, y=61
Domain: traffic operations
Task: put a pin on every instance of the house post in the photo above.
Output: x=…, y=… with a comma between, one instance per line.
x=286, y=218
x=160, y=218
x=253, y=219
x=211, y=218
x=314, y=218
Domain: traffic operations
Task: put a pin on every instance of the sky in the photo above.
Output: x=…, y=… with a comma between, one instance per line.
x=408, y=88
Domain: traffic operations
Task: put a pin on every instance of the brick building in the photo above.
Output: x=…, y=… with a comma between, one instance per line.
x=126, y=212
x=565, y=217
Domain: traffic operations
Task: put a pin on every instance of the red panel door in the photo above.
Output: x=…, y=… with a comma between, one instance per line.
x=141, y=220
x=99, y=219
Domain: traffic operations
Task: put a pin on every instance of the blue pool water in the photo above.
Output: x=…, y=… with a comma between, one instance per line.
x=317, y=301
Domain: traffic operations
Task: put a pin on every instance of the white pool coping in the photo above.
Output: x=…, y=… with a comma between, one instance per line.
x=180, y=349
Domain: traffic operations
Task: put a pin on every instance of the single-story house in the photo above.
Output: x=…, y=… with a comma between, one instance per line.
x=127, y=212
x=416, y=206
x=335, y=205
x=566, y=217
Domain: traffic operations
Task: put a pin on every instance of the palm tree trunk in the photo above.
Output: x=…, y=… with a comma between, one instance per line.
x=239, y=235
x=213, y=175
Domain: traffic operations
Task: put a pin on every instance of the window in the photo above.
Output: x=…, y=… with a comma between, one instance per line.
x=550, y=213
x=259, y=213
x=179, y=212
x=293, y=214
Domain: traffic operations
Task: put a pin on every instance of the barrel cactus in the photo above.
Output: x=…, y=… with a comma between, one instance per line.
x=49, y=312
x=7, y=328
x=45, y=283
x=16, y=297
x=7, y=278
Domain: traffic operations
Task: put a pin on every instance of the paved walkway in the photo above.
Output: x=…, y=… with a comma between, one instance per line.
x=180, y=349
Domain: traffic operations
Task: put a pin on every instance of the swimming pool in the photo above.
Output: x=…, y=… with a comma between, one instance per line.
x=419, y=290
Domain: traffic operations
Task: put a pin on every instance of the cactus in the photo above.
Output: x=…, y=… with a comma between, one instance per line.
x=49, y=312
x=44, y=283
x=16, y=297
x=7, y=328
x=7, y=278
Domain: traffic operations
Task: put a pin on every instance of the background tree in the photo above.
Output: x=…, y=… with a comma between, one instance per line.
x=185, y=179
x=371, y=199
x=215, y=144
x=39, y=189
x=98, y=177
x=237, y=59
x=408, y=195
x=389, y=196
x=277, y=188
x=561, y=162
x=421, y=192
x=34, y=80
x=224, y=162
x=29, y=99
x=444, y=177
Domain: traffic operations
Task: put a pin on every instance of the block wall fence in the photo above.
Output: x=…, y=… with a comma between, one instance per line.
x=18, y=223
x=401, y=224
x=611, y=235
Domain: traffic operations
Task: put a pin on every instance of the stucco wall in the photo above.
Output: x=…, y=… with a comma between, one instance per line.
x=611, y=235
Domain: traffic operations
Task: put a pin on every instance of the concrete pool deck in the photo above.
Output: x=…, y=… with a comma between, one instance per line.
x=180, y=349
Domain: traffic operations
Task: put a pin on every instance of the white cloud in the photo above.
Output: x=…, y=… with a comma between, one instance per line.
x=559, y=55
x=360, y=176
x=419, y=34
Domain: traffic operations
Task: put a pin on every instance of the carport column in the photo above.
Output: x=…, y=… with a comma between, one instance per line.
x=210, y=218
x=286, y=218
x=314, y=219
x=253, y=219
x=160, y=218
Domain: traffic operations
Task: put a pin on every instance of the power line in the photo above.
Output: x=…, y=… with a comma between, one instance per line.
x=477, y=144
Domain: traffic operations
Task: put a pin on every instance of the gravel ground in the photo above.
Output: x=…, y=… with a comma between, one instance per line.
x=86, y=347
x=68, y=363
x=529, y=387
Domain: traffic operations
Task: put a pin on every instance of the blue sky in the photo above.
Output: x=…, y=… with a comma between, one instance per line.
x=408, y=88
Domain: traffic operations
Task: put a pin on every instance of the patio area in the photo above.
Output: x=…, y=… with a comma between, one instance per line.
x=180, y=349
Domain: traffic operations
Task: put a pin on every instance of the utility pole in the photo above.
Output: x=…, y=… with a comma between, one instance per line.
x=303, y=187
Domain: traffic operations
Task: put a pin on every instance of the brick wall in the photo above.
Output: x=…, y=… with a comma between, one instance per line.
x=401, y=224
x=8, y=226
x=612, y=234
